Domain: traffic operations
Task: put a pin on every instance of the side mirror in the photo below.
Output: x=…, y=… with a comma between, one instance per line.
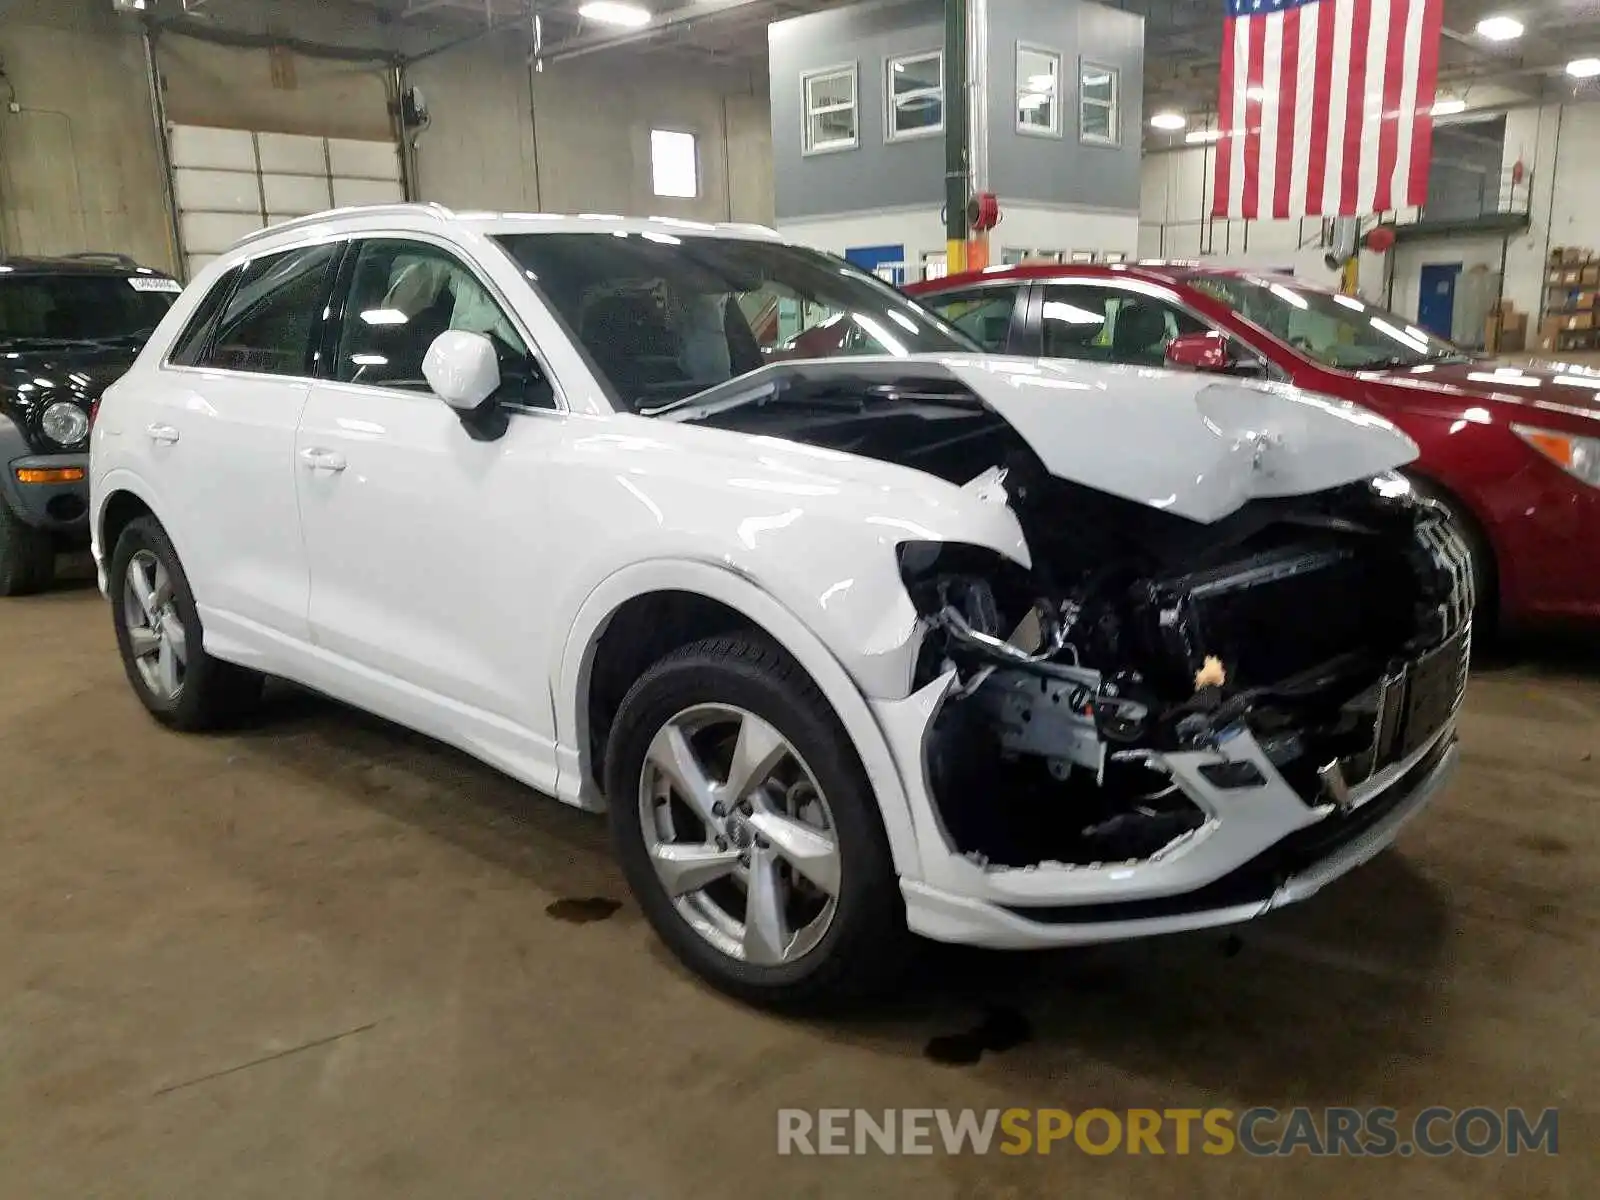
x=1200, y=352
x=462, y=369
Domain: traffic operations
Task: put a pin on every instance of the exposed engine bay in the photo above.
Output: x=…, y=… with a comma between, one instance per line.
x=1332, y=627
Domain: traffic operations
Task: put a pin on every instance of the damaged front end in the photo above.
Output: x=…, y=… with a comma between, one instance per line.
x=1151, y=676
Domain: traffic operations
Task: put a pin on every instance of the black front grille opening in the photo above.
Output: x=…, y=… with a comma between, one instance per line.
x=1257, y=880
x=1012, y=811
x=1285, y=611
x=66, y=507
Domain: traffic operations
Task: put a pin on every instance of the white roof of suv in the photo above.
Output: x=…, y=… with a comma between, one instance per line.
x=422, y=216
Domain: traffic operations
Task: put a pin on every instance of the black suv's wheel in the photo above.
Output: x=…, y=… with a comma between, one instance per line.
x=159, y=634
x=27, y=556
x=748, y=830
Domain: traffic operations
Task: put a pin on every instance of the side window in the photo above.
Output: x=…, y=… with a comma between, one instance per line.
x=402, y=296
x=1102, y=324
x=984, y=314
x=267, y=323
x=191, y=342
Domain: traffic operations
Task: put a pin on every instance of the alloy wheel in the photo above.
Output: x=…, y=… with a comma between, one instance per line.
x=740, y=835
x=156, y=637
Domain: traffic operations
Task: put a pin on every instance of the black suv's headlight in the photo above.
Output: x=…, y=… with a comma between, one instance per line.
x=64, y=423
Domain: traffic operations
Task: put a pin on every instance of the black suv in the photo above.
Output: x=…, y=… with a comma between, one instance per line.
x=69, y=327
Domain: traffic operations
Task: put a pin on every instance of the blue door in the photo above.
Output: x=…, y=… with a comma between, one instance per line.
x=887, y=262
x=1436, y=310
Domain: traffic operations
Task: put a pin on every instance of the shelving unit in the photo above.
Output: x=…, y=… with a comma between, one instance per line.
x=1570, y=316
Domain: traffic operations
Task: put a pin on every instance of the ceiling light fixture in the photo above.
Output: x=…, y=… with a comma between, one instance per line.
x=1197, y=136
x=1168, y=120
x=1448, y=106
x=1584, y=68
x=1500, y=29
x=609, y=12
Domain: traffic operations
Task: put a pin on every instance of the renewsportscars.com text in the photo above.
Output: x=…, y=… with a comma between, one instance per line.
x=1258, y=1132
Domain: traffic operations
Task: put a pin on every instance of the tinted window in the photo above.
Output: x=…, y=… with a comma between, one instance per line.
x=984, y=315
x=268, y=322
x=1103, y=324
x=402, y=296
x=82, y=307
x=191, y=342
x=663, y=317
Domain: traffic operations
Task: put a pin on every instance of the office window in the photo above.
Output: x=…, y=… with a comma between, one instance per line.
x=1038, y=91
x=674, y=163
x=1099, y=120
x=832, y=121
x=916, y=95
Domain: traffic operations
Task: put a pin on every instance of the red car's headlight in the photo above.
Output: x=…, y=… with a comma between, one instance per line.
x=1579, y=456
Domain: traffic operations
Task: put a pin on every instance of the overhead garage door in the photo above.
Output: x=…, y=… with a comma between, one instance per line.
x=232, y=182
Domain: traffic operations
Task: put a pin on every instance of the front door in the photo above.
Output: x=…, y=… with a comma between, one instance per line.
x=1436, y=308
x=425, y=543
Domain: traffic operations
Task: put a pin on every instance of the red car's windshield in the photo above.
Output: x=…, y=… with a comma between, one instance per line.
x=1335, y=330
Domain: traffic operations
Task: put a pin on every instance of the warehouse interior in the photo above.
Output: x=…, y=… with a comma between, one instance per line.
x=325, y=955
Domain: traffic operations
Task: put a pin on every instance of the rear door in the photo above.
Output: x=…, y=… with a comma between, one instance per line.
x=218, y=438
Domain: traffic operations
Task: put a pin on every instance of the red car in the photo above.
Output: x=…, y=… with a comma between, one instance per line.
x=1512, y=450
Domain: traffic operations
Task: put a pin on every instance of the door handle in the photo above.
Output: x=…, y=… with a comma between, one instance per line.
x=323, y=460
x=165, y=434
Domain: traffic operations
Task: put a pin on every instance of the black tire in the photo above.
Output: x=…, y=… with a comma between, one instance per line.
x=865, y=946
x=27, y=556
x=214, y=693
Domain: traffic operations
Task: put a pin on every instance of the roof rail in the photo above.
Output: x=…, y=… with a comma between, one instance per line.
x=428, y=209
x=105, y=256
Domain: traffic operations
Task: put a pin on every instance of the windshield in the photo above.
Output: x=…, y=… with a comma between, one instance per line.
x=663, y=317
x=1336, y=330
x=82, y=308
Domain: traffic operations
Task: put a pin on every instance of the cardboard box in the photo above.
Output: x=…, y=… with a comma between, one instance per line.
x=1583, y=320
x=1591, y=275
x=1584, y=300
x=1573, y=255
x=1550, y=326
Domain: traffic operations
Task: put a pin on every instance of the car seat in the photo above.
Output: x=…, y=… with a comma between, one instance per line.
x=1140, y=335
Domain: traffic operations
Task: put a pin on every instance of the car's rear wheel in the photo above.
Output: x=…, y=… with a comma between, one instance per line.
x=748, y=830
x=161, y=639
x=27, y=556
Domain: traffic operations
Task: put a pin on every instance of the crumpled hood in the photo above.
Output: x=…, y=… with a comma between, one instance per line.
x=1196, y=445
x=1199, y=446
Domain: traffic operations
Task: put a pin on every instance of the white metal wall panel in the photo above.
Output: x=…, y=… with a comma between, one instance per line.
x=216, y=191
x=231, y=182
x=293, y=155
x=363, y=160
x=210, y=233
x=220, y=149
x=296, y=195
x=365, y=191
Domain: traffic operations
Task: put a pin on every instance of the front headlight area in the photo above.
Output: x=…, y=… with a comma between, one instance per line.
x=64, y=423
x=1577, y=456
x=1035, y=756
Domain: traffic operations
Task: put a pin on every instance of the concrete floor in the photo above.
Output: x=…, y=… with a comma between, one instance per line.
x=315, y=960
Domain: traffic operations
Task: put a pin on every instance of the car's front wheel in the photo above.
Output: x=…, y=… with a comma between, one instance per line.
x=161, y=639
x=748, y=830
x=27, y=556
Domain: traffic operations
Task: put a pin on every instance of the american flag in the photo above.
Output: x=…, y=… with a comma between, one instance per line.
x=1325, y=107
